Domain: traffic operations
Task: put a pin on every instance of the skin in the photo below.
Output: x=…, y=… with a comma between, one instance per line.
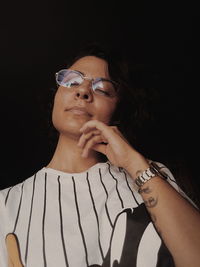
x=14, y=259
x=81, y=137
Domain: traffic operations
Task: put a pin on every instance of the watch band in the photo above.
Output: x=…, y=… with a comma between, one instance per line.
x=152, y=171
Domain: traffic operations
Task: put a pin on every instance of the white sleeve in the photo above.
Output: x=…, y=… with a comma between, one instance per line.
x=3, y=250
x=172, y=181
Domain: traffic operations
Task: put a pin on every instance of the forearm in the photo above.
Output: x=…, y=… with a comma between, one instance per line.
x=176, y=220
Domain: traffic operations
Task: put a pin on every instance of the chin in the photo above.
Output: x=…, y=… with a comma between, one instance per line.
x=70, y=128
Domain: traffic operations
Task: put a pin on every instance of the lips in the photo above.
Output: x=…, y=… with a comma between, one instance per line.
x=79, y=111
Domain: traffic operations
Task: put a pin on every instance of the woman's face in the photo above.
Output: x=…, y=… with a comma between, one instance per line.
x=76, y=105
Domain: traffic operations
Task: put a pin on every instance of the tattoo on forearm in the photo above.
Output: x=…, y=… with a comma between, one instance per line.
x=151, y=202
x=145, y=190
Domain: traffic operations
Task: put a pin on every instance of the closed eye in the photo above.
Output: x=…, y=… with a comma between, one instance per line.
x=102, y=92
x=73, y=82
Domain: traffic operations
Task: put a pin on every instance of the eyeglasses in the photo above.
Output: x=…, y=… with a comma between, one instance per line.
x=100, y=86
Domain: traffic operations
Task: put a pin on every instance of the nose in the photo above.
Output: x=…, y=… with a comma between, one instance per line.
x=84, y=91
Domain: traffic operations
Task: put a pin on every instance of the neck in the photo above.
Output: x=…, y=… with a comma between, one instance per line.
x=67, y=156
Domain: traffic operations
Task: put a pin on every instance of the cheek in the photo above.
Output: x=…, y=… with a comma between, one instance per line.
x=105, y=111
x=58, y=106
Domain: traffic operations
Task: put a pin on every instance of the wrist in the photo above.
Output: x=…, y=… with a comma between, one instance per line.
x=152, y=171
x=136, y=164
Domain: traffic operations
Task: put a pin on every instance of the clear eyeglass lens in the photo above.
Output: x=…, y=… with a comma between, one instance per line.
x=69, y=78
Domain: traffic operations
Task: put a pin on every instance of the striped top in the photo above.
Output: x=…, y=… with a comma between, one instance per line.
x=93, y=218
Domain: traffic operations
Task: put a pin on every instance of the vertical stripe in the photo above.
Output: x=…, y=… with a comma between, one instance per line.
x=61, y=222
x=130, y=188
x=6, y=199
x=22, y=187
x=79, y=221
x=30, y=216
x=116, y=186
x=96, y=215
x=43, y=221
x=106, y=207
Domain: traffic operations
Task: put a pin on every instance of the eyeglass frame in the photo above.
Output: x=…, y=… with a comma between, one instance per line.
x=84, y=77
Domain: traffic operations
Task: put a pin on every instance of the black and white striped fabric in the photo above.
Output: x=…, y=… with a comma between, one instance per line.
x=92, y=218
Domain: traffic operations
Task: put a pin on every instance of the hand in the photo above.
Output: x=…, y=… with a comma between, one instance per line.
x=108, y=140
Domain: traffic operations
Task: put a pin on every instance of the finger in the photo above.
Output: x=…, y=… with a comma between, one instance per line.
x=106, y=130
x=85, y=137
x=110, y=133
x=88, y=129
x=93, y=141
x=92, y=124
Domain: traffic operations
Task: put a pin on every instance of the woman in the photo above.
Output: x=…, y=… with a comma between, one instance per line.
x=83, y=209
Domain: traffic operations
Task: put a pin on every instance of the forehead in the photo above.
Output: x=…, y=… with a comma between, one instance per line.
x=91, y=66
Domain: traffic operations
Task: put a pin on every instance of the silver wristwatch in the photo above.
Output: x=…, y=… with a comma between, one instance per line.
x=152, y=171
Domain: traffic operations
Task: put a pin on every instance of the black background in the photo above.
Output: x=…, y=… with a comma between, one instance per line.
x=159, y=39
